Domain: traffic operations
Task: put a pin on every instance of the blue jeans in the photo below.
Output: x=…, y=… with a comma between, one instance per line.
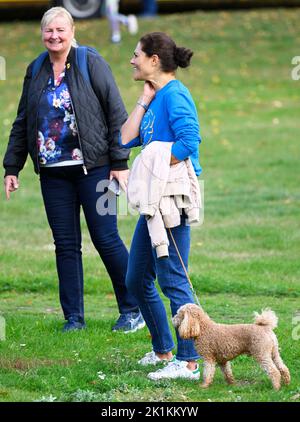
x=64, y=190
x=143, y=267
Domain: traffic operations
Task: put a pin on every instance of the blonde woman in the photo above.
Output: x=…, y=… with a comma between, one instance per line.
x=70, y=129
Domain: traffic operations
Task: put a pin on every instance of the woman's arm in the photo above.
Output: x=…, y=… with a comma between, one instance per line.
x=16, y=152
x=131, y=127
x=183, y=120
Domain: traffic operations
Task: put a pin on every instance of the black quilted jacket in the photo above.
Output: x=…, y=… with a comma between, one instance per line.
x=99, y=113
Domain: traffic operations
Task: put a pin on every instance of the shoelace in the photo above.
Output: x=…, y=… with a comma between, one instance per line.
x=150, y=356
x=133, y=319
x=170, y=364
x=124, y=318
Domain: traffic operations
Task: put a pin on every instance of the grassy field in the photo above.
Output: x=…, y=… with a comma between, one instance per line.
x=243, y=258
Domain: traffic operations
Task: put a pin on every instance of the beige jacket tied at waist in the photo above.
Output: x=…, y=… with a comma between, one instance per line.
x=160, y=192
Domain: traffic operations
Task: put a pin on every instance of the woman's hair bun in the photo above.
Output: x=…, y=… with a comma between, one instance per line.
x=182, y=56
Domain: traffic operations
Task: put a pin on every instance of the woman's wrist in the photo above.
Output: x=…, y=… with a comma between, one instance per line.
x=142, y=104
x=145, y=99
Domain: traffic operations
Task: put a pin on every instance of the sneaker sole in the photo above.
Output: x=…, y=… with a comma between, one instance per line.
x=172, y=378
x=73, y=329
x=158, y=362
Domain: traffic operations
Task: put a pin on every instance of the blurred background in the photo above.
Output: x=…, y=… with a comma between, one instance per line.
x=92, y=8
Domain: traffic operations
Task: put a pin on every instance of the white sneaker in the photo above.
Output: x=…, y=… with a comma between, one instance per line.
x=133, y=26
x=175, y=369
x=150, y=358
x=116, y=37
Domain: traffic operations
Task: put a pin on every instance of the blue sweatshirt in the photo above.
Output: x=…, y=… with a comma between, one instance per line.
x=172, y=117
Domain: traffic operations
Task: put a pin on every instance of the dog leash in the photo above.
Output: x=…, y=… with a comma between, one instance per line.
x=185, y=270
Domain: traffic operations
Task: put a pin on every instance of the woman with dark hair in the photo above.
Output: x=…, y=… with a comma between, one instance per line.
x=165, y=112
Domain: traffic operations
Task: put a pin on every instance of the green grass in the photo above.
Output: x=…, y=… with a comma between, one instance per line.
x=243, y=258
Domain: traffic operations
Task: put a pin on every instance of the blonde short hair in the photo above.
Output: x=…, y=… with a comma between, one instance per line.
x=55, y=12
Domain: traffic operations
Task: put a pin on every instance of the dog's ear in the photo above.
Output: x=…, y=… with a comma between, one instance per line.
x=190, y=326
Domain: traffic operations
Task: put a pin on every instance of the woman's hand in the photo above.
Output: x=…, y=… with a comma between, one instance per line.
x=11, y=184
x=148, y=92
x=174, y=160
x=121, y=176
x=131, y=128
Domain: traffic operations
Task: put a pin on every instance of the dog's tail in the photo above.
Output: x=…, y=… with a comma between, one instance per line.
x=267, y=318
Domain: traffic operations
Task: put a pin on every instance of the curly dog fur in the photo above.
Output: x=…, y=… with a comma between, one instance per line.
x=220, y=343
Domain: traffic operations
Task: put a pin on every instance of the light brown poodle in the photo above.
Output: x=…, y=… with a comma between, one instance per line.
x=220, y=343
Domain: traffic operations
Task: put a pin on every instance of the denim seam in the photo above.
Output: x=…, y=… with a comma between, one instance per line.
x=166, y=296
x=78, y=262
x=153, y=319
x=184, y=344
x=163, y=350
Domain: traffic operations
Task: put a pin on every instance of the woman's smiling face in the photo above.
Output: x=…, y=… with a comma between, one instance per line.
x=57, y=36
x=142, y=65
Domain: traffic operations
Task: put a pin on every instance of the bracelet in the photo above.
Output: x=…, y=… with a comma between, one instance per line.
x=145, y=107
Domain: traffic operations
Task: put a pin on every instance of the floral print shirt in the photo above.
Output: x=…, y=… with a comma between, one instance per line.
x=58, y=142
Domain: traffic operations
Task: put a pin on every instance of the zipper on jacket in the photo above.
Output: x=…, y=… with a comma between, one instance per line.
x=79, y=139
x=36, y=133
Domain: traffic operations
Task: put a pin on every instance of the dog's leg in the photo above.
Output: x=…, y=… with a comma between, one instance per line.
x=267, y=364
x=284, y=371
x=227, y=371
x=208, y=373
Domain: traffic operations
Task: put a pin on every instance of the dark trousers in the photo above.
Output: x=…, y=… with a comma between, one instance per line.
x=149, y=7
x=65, y=190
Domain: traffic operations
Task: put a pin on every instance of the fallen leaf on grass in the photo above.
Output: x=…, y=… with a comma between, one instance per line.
x=3, y=393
